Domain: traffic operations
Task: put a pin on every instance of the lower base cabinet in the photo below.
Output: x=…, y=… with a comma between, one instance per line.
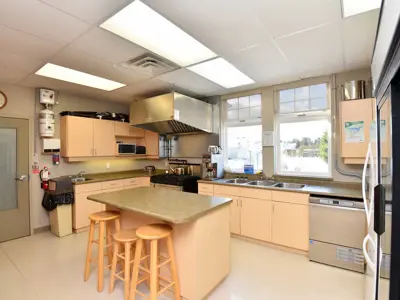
x=235, y=213
x=290, y=225
x=255, y=215
x=83, y=207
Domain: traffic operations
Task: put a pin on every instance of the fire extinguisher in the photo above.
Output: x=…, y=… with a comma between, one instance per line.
x=44, y=178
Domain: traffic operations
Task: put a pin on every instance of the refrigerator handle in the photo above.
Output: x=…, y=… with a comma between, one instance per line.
x=366, y=255
x=368, y=211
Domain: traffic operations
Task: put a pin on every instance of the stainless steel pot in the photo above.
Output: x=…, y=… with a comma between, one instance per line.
x=354, y=89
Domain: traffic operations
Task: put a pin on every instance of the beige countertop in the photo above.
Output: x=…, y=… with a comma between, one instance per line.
x=337, y=190
x=167, y=205
x=99, y=177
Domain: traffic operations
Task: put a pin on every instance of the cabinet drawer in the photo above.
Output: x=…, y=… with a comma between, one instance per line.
x=255, y=193
x=136, y=182
x=111, y=184
x=84, y=188
x=206, y=188
x=226, y=190
x=205, y=193
x=289, y=197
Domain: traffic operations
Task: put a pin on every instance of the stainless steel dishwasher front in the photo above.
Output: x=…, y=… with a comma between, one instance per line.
x=337, y=230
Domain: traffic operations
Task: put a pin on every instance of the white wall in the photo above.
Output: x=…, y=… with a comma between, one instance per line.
x=268, y=114
x=22, y=103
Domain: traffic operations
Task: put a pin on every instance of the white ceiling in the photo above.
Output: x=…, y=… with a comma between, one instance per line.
x=270, y=41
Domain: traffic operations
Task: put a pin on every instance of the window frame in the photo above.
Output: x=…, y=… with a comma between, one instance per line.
x=302, y=117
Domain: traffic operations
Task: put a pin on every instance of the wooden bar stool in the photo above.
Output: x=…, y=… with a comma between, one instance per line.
x=154, y=233
x=103, y=219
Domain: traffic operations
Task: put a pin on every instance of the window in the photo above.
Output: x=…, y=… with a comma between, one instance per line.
x=303, y=126
x=243, y=133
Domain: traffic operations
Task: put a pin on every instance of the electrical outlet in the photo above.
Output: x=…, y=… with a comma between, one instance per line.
x=107, y=165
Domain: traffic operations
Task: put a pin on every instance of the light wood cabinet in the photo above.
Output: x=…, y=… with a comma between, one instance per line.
x=76, y=136
x=83, y=207
x=152, y=143
x=122, y=129
x=137, y=132
x=235, y=213
x=290, y=225
x=255, y=216
x=104, y=138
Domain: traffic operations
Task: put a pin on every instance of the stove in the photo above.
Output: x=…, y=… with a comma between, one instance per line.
x=185, y=183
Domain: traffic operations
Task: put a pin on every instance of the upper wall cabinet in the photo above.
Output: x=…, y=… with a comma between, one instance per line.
x=126, y=130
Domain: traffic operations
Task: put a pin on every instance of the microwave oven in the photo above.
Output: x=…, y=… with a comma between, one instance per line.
x=126, y=148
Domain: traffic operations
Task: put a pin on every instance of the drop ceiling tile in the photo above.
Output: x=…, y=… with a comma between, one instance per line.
x=359, y=37
x=224, y=26
x=11, y=75
x=315, y=52
x=91, y=11
x=105, y=45
x=287, y=16
x=264, y=63
x=41, y=20
x=146, y=88
x=79, y=61
x=190, y=81
x=21, y=43
x=19, y=62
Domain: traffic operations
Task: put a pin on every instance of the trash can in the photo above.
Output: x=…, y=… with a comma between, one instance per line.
x=61, y=220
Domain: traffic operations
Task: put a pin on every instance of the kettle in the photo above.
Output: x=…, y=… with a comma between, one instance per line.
x=213, y=149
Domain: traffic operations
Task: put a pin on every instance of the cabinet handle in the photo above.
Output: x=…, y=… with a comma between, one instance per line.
x=273, y=207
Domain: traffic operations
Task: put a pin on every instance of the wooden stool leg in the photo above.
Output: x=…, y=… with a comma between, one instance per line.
x=113, y=267
x=89, y=251
x=117, y=225
x=109, y=243
x=100, y=265
x=146, y=262
x=153, y=269
x=127, y=269
x=135, y=271
x=174, y=271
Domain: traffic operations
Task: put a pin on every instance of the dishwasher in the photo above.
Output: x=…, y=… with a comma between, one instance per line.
x=337, y=231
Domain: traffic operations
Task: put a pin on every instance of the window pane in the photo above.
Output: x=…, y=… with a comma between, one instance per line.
x=244, y=102
x=255, y=100
x=255, y=112
x=304, y=147
x=318, y=91
x=244, y=113
x=319, y=104
x=302, y=93
x=232, y=103
x=232, y=114
x=286, y=96
x=244, y=147
x=8, y=167
x=286, y=107
x=302, y=105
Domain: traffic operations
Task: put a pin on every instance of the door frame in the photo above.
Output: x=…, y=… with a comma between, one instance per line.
x=32, y=146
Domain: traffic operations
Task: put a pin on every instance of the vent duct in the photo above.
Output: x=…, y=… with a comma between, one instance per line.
x=150, y=64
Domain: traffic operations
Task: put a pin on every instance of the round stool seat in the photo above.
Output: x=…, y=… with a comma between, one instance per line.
x=125, y=236
x=107, y=215
x=154, y=231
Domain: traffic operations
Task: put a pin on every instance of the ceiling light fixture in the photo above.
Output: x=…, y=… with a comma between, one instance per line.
x=73, y=76
x=142, y=25
x=221, y=72
x=355, y=7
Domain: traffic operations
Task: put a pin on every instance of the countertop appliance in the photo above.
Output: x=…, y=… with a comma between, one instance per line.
x=184, y=183
x=126, y=148
x=212, y=166
x=140, y=149
x=172, y=113
x=337, y=229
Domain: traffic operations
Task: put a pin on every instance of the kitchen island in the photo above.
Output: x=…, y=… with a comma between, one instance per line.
x=201, y=231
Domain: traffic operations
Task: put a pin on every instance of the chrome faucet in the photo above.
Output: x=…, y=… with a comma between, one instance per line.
x=79, y=175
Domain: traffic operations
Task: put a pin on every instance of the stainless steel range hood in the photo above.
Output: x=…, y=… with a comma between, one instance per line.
x=172, y=113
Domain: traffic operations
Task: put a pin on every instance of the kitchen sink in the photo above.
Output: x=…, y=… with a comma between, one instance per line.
x=237, y=181
x=261, y=183
x=81, y=179
x=286, y=185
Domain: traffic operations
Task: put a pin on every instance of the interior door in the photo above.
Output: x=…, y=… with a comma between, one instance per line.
x=14, y=178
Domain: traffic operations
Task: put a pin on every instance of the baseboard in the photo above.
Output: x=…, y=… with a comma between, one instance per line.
x=41, y=229
x=271, y=245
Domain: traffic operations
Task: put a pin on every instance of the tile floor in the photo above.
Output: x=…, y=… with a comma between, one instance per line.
x=44, y=267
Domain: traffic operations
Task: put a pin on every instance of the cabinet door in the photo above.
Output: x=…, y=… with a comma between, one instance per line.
x=235, y=213
x=152, y=143
x=83, y=207
x=255, y=218
x=290, y=225
x=76, y=136
x=104, y=138
x=122, y=129
x=136, y=132
x=355, y=111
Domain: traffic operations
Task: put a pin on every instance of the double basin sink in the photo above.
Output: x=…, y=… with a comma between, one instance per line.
x=284, y=185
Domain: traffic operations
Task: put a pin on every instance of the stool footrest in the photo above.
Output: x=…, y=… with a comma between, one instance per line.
x=119, y=277
x=166, y=288
x=164, y=279
x=140, y=293
x=144, y=269
x=164, y=263
x=144, y=278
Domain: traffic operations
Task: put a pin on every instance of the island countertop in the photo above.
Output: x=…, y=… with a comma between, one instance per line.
x=167, y=205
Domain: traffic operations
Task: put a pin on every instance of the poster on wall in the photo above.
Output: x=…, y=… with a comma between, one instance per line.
x=354, y=132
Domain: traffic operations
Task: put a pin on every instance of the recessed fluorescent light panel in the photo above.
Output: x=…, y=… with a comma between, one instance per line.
x=222, y=73
x=70, y=75
x=354, y=7
x=142, y=25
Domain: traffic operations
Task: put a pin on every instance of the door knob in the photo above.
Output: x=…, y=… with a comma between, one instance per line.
x=21, y=178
